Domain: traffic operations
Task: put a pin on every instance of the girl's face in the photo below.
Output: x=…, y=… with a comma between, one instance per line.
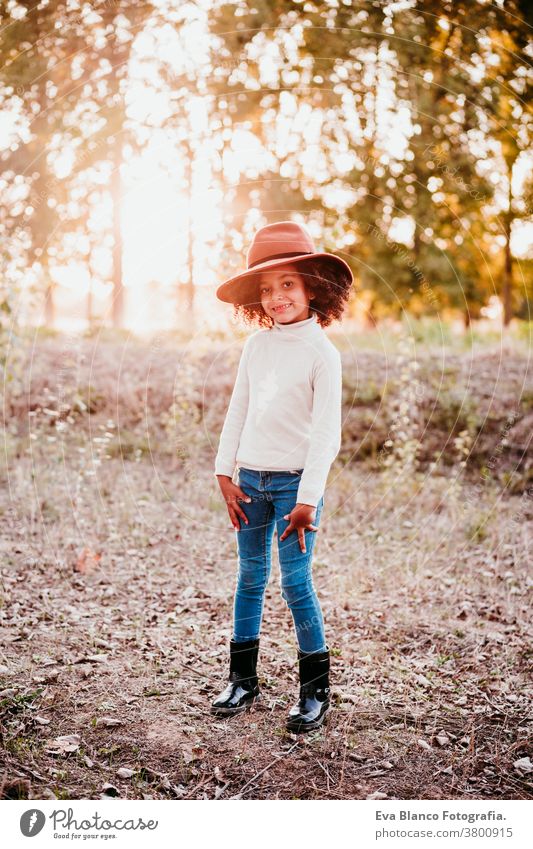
x=284, y=295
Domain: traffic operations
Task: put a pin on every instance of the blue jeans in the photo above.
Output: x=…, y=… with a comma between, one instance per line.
x=273, y=496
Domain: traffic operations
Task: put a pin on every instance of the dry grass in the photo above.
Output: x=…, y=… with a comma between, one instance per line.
x=117, y=582
x=134, y=385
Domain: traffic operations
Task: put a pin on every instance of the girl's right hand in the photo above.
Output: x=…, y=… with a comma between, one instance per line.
x=232, y=495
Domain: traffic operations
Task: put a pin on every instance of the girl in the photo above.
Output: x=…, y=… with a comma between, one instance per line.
x=283, y=430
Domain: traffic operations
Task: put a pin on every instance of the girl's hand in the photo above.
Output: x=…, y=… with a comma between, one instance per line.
x=300, y=519
x=232, y=494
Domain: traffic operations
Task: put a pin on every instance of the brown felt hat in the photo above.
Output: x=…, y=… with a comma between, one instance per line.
x=271, y=246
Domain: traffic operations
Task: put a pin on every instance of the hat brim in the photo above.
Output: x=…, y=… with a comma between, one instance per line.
x=230, y=291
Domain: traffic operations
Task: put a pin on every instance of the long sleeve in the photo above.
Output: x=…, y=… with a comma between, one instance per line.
x=325, y=440
x=235, y=417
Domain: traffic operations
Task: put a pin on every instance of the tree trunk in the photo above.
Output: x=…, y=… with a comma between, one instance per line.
x=369, y=316
x=116, y=195
x=42, y=221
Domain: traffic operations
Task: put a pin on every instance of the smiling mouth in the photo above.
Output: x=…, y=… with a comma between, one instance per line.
x=282, y=308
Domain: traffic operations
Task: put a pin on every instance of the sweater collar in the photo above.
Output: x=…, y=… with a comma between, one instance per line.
x=305, y=327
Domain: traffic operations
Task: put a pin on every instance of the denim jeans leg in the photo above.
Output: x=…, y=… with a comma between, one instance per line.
x=297, y=586
x=254, y=544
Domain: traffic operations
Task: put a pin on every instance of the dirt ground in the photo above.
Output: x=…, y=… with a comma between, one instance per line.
x=116, y=615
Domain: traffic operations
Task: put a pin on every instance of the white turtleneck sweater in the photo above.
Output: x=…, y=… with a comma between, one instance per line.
x=285, y=409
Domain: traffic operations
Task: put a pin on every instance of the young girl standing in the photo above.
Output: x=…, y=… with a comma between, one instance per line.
x=282, y=430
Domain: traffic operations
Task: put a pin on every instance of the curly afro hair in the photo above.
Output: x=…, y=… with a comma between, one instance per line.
x=327, y=281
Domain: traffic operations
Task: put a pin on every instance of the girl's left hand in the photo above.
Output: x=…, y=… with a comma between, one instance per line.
x=300, y=519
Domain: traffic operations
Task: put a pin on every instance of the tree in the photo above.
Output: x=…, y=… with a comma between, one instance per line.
x=53, y=57
x=509, y=113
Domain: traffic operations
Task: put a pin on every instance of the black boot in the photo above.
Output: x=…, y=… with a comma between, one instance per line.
x=242, y=689
x=309, y=711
